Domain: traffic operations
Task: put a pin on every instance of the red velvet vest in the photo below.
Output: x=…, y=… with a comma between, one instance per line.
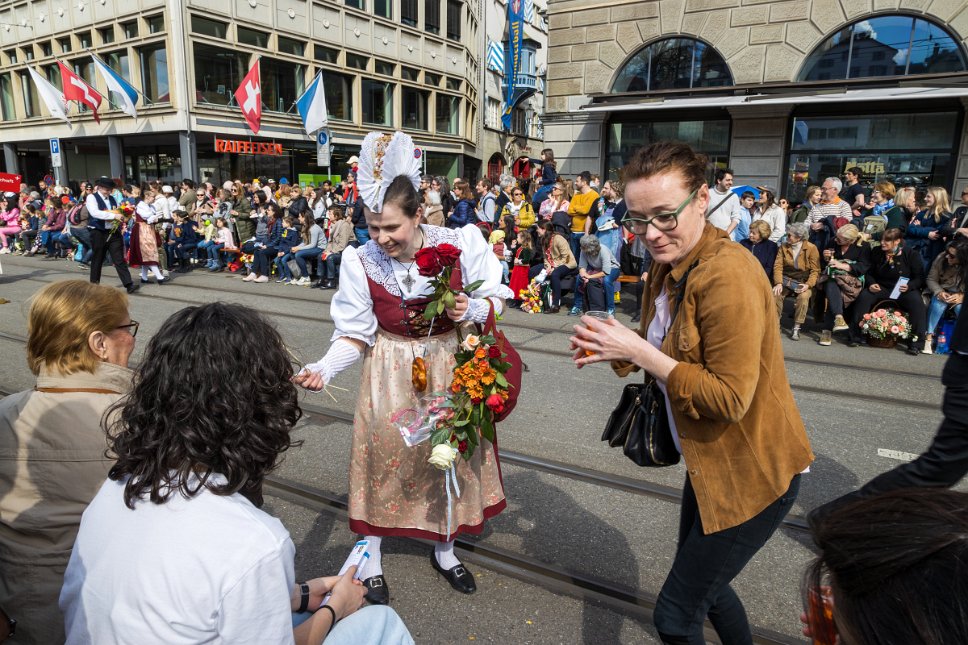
x=402, y=317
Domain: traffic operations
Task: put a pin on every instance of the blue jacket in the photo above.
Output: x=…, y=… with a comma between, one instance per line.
x=916, y=236
x=266, y=235
x=463, y=214
x=184, y=233
x=548, y=173
x=288, y=238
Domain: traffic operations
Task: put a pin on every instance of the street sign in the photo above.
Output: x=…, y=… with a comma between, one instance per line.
x=322, y=148
x=55, y=153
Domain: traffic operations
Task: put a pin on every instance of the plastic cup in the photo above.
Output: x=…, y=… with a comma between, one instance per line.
x=820, y=617
x=597, y=315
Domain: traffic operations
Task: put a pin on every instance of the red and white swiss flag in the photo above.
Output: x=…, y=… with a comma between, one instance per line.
x=249, y=97
x=75, y=89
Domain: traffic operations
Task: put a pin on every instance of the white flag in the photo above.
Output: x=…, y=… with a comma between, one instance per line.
x=53, y=98
x=312, y=106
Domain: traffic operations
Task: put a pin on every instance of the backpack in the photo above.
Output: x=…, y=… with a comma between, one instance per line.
x=78, y=215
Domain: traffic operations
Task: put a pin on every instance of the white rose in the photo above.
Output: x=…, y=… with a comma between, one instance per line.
x=442, y=456
x=471, y=342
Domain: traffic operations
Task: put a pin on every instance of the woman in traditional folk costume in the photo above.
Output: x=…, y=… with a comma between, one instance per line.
x=145, y=241
x=378, y=313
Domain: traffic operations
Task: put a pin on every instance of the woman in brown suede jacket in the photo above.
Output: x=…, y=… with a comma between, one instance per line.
x=719, y=361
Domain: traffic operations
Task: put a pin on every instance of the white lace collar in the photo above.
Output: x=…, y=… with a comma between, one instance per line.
x=379, y=267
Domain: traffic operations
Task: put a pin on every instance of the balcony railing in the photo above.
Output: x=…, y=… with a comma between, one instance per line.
x=523, y=82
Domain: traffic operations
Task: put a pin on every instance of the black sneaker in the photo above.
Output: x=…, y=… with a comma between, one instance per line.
x=131, y=288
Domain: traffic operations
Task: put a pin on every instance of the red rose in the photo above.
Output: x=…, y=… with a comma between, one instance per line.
x=495, y=403
x=462, y=447
x=428, y=262
x=475, y=400
x=494, y=351
x=448, y=254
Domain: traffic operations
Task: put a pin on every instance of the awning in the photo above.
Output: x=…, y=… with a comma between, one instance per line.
x=793, y=98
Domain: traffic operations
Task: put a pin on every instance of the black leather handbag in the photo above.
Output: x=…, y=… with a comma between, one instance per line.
x=640, y=425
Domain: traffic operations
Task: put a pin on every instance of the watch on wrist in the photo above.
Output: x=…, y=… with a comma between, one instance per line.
x=303, y=597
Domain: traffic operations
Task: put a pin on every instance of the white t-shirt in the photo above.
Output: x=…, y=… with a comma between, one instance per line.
x=211, y=569
x=722, y=216
x=655, y=334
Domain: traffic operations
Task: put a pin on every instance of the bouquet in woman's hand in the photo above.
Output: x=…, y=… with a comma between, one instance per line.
x=437, y=263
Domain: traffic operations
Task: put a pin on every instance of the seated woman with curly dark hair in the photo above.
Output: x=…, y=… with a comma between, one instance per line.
x=173, y=548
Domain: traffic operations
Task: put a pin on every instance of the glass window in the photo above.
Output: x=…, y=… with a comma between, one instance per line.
x=408, y=12
x=12, y=56
x=415, y=108
x=118, y=61
x=409, y=73
x=31, y=104
x=28, y=52
x=325, y=54
x=385, y=68
x=218, y=72
x=154, y=73
x=432, y=16
x=156, y=24
x=884, y=46
x=291, y=46
x=453, y=19
x=52, y=72
x=356, y=61
x=106, y=34
x=84, y=39
x=7, y=110
x=432, y=79
x=130, y=29
x=673, y=63
x=914, y=131
x=377, y=102
x=448, y=113
x=453, y=84
x=282, y=83
x=46, y=49
x=358, y=4
x=252, y=37
x=64, y=44
x=208, y=27
x=85, y=69
x=339, y=93
x=383, y=8
x=711, y=137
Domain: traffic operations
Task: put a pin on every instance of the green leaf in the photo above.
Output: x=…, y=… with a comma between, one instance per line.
x=461, y=423
x=500, y=380
x=488, y=340
x=430, y=312
x=440, y=306
x=474, y=286
x=440, y=435
x=487, y=430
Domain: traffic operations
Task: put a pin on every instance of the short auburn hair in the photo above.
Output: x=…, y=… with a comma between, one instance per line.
x=665, y=157
x=885, y=188
x=62, y=316
x=761, y=227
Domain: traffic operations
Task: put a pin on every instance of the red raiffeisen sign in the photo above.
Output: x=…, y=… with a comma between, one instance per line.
x=237, y=147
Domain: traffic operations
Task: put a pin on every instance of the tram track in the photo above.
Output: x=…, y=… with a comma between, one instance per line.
x=505, y=324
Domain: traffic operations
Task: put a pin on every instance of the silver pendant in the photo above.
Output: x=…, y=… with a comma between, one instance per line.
x=408, y=282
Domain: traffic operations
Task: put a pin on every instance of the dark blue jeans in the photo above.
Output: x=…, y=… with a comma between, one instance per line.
x=699, y=582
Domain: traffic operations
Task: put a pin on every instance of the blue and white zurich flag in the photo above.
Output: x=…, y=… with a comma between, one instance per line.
x=123, y=91
x=312, y=106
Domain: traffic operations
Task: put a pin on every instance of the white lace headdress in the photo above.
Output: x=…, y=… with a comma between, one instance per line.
x=383, y=158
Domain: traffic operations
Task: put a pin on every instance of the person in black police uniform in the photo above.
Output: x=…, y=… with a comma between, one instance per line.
x=945, y=462
x=99, y=204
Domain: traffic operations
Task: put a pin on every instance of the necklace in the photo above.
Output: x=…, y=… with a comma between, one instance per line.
x=409, y=281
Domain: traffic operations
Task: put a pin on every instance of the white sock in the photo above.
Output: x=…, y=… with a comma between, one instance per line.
x=445, y=555
x=373, y=566
x=157, y=273
x=144, y=273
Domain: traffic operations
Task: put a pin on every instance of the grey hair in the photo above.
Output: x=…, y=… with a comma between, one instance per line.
x=433, y=197
x=839, y=185
x=798, y=229
x=506, y=181
x=590, y=244
x=444, y=184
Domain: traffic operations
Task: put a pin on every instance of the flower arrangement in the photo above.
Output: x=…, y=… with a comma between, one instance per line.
x=885, y=324
x=479, y=388
x=124, y=209
x=531, y=298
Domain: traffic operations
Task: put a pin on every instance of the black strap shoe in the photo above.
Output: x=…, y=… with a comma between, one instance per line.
x=377, y=591
x=458, y=577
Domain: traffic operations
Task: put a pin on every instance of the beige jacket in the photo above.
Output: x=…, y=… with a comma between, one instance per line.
x=434, y=215
x=51, y=465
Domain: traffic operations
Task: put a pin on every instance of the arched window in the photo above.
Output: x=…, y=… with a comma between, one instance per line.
x=673, y=63
x=885, y=46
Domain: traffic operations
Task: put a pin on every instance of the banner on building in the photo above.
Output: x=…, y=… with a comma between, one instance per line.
x=495, y=57
x=52, y=97
x=9, y=183
x=512, y=62
x=249, y=97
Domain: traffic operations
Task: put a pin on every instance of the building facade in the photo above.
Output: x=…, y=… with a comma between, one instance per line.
x=500, y=146
x=413, y=65
x=785, y=93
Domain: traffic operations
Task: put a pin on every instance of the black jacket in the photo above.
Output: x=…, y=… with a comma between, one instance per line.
x=907, y=263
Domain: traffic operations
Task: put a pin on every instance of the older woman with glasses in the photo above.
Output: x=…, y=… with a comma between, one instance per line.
x=731, y=412
x=52, y=444
x=520, y=209
x=795, y=273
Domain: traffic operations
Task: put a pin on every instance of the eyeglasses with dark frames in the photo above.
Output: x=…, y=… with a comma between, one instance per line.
x=662, y=221
x=132, y=327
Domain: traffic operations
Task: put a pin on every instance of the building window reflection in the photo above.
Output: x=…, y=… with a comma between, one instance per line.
x=709, y=136
x=884, y=46
x=448, y=114
x=673, y=63
x=154, y=73
x=282, y=83
x=415, y=108
x=217, y=73
x=339, y=92
x=377, y=102
x=7, y=110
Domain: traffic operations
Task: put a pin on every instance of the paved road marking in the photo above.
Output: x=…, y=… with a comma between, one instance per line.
x=896, y=454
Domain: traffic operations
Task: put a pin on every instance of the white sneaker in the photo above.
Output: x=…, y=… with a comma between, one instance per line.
x=927, y=346
x=4, y=251
x=249, y=278
x=165, y=273
x=261, y=279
